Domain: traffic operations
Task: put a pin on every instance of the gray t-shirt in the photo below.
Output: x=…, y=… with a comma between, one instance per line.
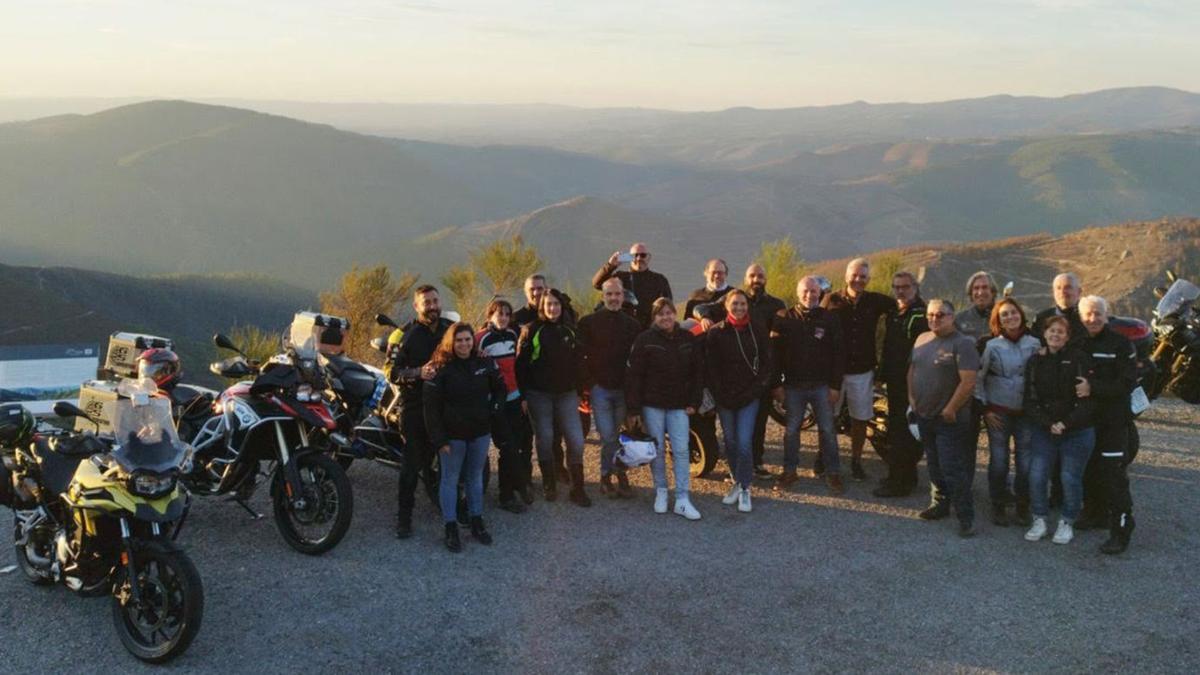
x=936, y=362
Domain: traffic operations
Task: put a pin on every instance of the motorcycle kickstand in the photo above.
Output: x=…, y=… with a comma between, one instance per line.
x=254, y=515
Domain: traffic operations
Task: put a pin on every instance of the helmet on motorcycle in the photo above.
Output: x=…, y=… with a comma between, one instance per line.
x=16, y=425
x=160, y=365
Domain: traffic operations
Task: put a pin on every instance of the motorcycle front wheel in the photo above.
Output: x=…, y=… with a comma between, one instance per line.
x=323, y=519
x=163, y=621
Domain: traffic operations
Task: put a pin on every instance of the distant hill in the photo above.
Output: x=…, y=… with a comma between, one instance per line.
x=58, y=305
x=174, y=186
x=1122, y=263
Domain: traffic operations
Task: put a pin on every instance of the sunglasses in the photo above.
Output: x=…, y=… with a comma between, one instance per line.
x=641, y=255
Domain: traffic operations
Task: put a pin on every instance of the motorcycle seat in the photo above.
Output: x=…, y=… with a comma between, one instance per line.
x=340, y=363
x=58, y=467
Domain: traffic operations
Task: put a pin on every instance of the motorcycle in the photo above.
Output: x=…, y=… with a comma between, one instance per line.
x=101, y=516
x=277, y=420
x=1176, y=329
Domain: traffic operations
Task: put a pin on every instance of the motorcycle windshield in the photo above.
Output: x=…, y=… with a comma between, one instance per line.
x=1180, y=293
x=145, y=436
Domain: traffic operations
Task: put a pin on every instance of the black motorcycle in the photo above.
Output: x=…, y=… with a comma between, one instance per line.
x=1176, y=327
x=275, y=421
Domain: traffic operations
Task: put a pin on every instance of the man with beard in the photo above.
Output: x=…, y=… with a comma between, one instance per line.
x=903, y=328
x=763, y=308
x=645, y=284
x=409, y=350
x=704, y=304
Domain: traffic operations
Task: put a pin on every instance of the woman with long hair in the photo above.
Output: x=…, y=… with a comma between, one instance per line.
x=662, y=388
x=737, y=369
x=548, y=375
x=1000, y=387
x=460, y=402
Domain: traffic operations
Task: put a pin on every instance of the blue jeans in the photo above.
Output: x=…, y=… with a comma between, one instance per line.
x=738, y=428
x=660, y=424
x=949, y=453
x=608, y=412
x=473, y=453
x=546, y=409
x=796, y=399
x=1072, y=449
x=1018, y=428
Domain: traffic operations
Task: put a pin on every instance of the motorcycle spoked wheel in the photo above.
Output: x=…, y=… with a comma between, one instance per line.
x=328, y=508
x=167, y=618
x=42, y=542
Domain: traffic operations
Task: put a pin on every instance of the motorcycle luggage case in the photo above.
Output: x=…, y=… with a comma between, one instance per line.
x=97, y=398
x=123, y=351
x=312, y=332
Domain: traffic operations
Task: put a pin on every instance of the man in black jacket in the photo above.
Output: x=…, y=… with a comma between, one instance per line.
x=605, y=338
x=809, y=352
x=409, y=350
x=903, y=327
x=860, y=311
x=1112, y=378
x=704, y=304
x=763, y=308
x=1067, y=290
x=535, y=285
x=645, y=284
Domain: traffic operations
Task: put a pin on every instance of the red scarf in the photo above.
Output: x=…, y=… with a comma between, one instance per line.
x=732, y=321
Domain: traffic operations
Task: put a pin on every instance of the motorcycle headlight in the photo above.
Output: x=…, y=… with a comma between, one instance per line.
x=150, y=484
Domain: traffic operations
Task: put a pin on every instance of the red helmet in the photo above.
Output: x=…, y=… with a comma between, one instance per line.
x=160, y=365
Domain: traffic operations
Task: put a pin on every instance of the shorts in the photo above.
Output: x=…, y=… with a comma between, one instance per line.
x=858, y=391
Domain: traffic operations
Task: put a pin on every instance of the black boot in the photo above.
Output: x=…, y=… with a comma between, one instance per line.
x=1000, y=514
x=479, y=531
x=526, y=491
x=623, y=489
x=578, y=495
x=453, y=543
x=404, y=524
x=1119, y=531
x=1023, y=517
x=549, y=481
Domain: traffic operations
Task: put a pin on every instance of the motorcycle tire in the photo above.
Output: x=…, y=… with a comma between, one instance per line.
x=777, y=413
x=345, y=461
x=329, y=499
x=172, y=596
x=38, y=576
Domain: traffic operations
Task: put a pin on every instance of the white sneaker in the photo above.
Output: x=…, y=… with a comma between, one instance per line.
x=683, y=507
x=1064, y=534
x=732, y=497
x=1037, y=530
x=744, y=502
x=660, y=500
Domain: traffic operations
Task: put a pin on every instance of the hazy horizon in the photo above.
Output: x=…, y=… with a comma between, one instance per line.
x=674, y=55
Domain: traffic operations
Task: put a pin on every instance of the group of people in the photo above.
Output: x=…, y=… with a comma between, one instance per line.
x=1053, y=393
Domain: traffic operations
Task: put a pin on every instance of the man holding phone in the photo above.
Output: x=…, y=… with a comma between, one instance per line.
x=646, y=284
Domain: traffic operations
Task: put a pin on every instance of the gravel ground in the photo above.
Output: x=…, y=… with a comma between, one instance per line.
x=806, y=582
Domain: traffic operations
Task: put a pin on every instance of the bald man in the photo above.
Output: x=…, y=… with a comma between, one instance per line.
x=645, y=284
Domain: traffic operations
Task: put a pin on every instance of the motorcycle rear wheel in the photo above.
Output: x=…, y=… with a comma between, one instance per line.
x=328, y=509
x=163, y=624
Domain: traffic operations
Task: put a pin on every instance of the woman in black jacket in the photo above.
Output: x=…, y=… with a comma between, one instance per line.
x=548, y=375
x=1062, y=427
x=663, y=387
x=460, y=403
x=737, y=369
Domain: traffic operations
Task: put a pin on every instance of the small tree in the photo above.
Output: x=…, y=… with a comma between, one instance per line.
x=783, y=266
x=359, y=296
x=494, y=268
x=883, y=268
x=258, y=344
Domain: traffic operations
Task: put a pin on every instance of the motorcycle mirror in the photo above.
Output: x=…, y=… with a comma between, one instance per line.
x=223, y=341
x=384, y=320
x=1008, y=289
x=1159, y=292
x=65, y=409
x=1170, y=276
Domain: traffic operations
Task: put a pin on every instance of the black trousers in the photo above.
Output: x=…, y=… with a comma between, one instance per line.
x=516, y=463
x=904, y=452
x=1106, y=480
x=760, y=427
x=418, y=456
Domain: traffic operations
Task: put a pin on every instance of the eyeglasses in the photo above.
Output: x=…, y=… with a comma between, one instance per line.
x=641, y=255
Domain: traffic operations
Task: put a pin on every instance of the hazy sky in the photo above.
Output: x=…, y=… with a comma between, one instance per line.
x=673, y=54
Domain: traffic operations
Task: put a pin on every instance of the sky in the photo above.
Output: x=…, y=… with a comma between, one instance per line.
x=677, y=54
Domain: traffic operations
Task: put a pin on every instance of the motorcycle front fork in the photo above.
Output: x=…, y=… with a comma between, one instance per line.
x=128, y=562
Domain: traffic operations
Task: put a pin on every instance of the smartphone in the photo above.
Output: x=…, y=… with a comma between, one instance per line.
x=625, y=258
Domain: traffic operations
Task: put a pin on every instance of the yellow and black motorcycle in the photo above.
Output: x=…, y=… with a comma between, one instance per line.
x=100, y=516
